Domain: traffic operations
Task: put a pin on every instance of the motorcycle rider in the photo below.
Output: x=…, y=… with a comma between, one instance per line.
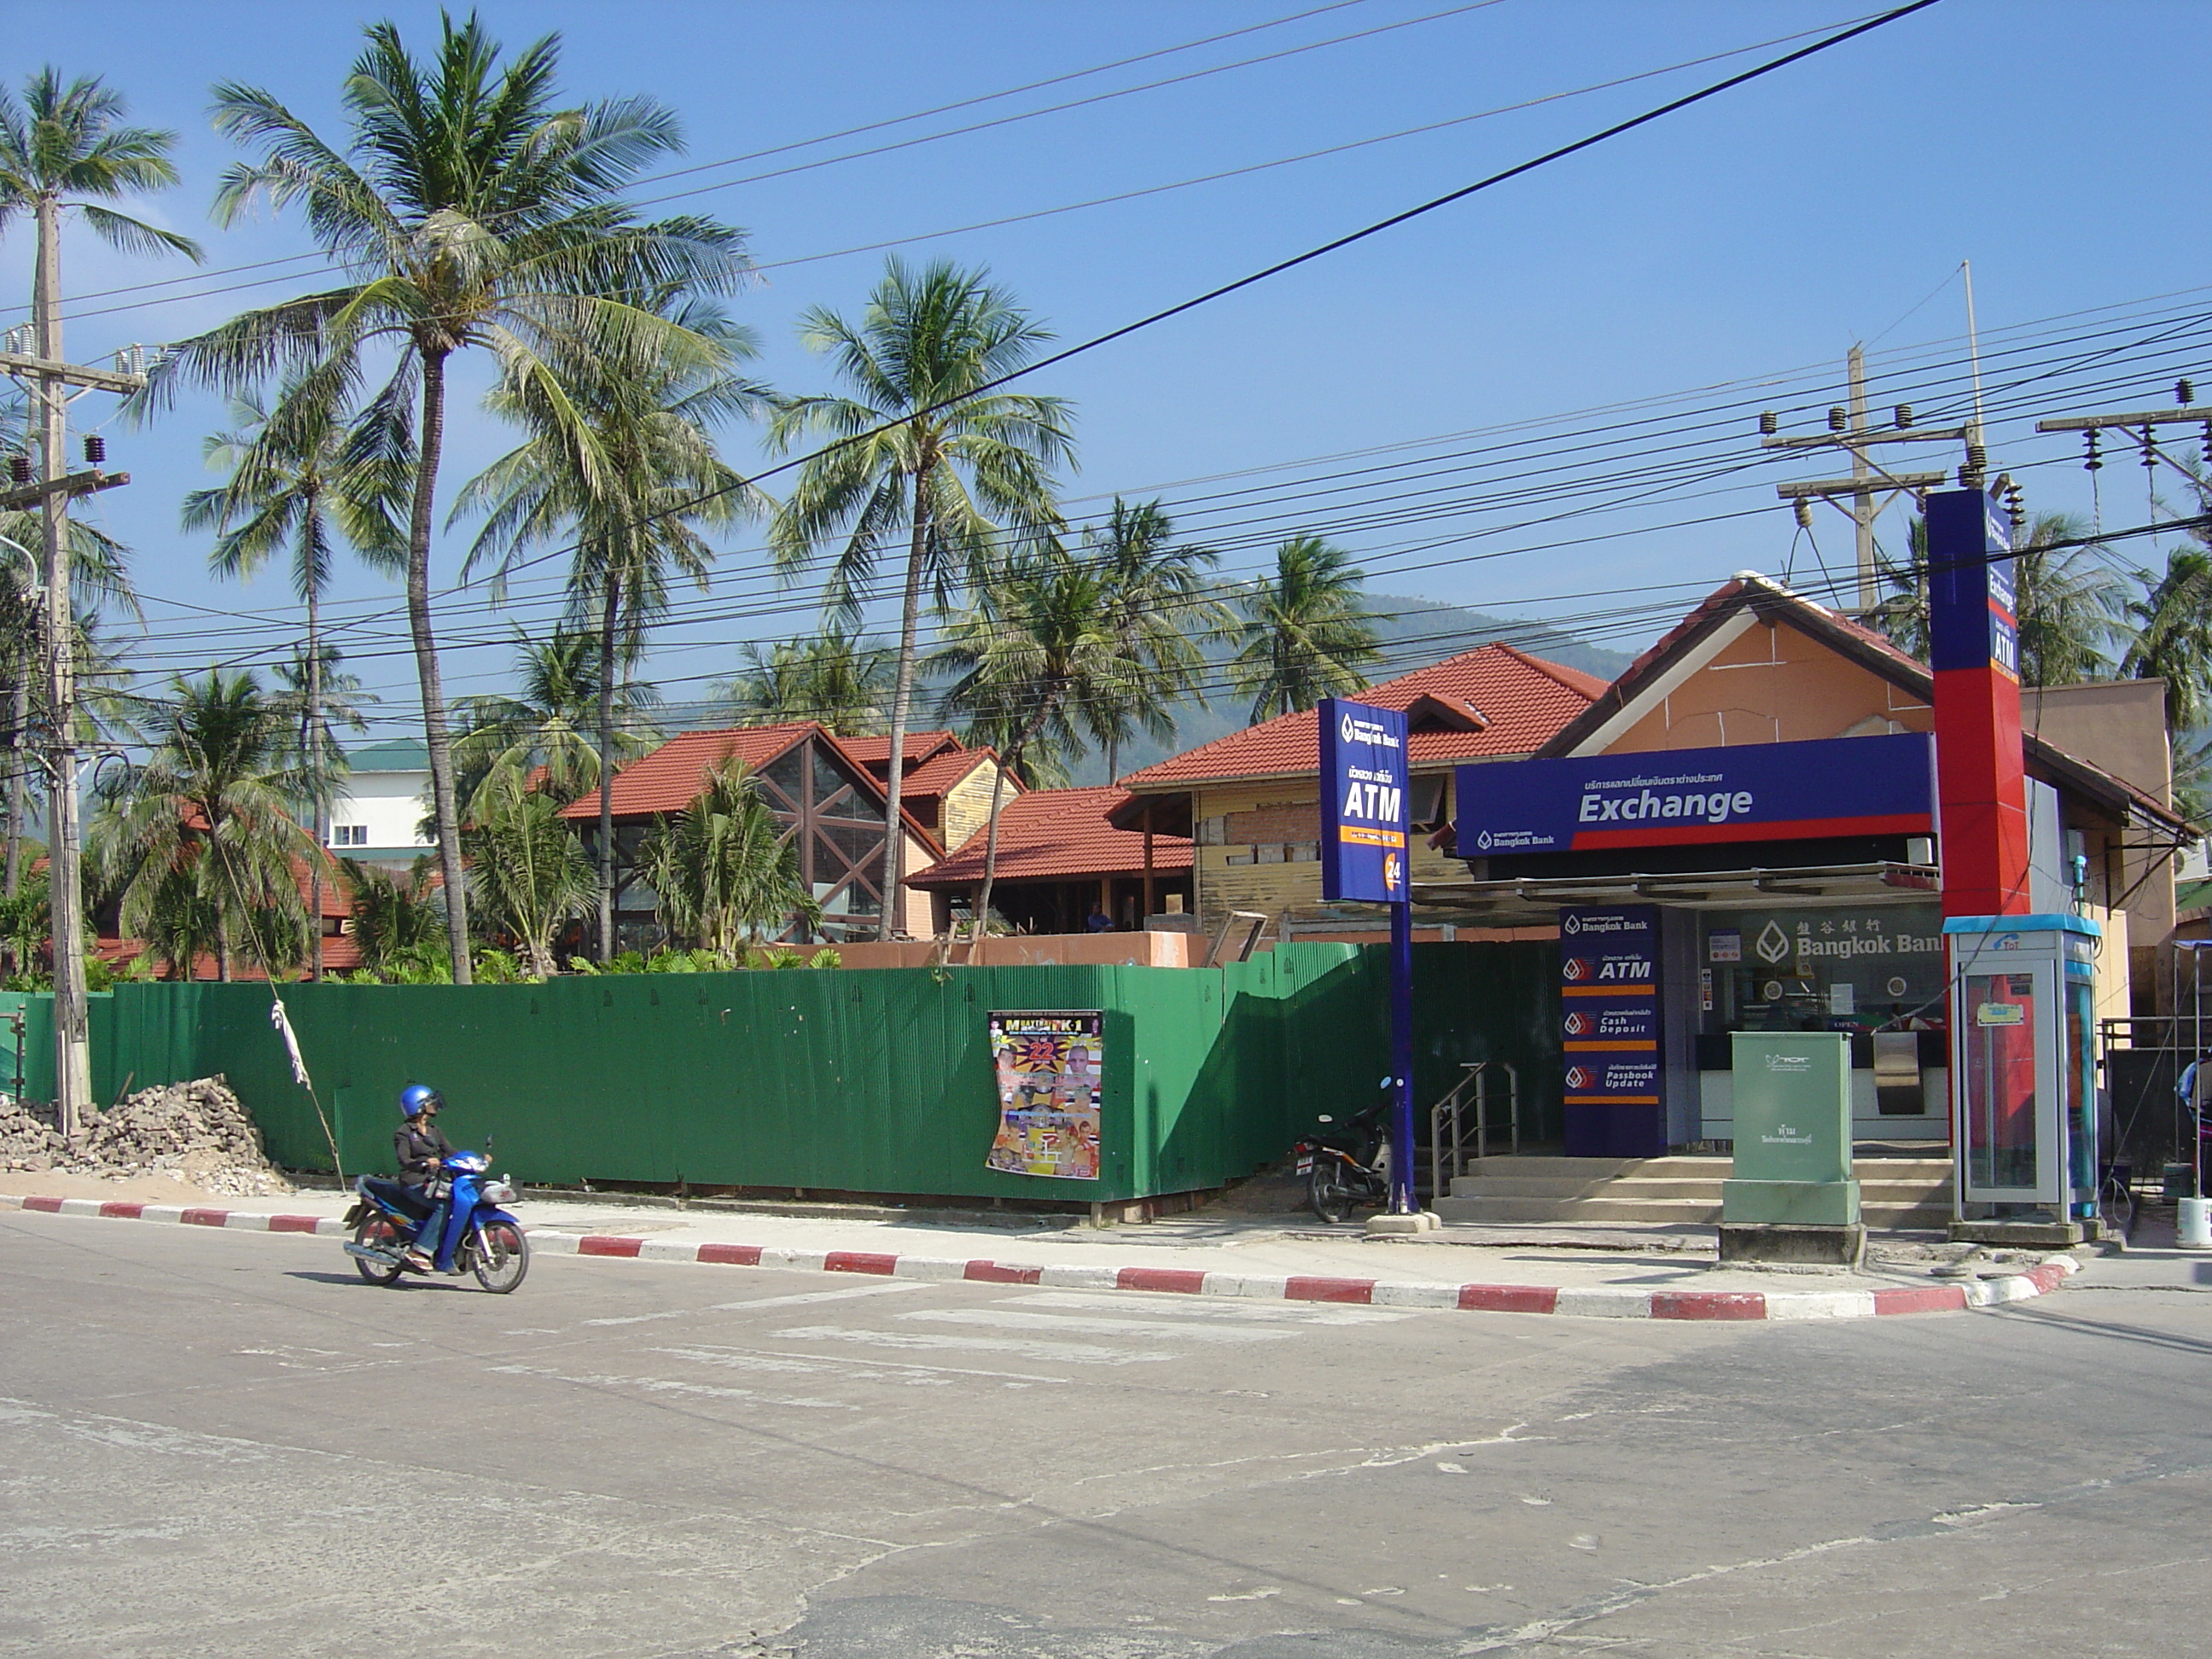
x=421, y=1150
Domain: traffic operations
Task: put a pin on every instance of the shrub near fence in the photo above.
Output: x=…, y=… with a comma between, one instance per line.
x=861, y=1081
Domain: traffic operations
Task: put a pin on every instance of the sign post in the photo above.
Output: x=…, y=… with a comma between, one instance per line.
x=1366, y=859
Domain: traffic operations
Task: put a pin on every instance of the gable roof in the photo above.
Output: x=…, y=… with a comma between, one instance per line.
x=1061, y=835
x=1504, y=701
x=874, y=751
x=1678, y=649
x=941, y=773
x=669, y=779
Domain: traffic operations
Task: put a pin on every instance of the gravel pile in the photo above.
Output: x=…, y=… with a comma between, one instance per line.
x=195, y=1132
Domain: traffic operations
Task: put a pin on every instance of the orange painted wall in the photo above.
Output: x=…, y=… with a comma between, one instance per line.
x=1773, y=684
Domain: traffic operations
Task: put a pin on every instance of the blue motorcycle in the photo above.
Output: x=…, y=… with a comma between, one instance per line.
x=479, y=1236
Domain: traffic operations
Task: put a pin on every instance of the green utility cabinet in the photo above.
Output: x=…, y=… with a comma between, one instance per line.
x=1793, y=1132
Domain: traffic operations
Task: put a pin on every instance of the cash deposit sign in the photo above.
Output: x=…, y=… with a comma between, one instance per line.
x=1364, y=784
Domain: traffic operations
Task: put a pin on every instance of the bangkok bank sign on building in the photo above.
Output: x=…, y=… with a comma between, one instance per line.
x=1755, y=792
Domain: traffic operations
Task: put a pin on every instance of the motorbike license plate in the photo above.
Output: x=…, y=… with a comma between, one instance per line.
x=1305, y=1166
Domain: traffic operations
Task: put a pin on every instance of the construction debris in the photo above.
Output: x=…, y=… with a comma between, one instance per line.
x=196, y=1132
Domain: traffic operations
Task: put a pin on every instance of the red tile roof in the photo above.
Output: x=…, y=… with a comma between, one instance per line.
x=875, y=752
x=1524, y=698
x=1058, y=835
x=941, y=772
x=670, y=778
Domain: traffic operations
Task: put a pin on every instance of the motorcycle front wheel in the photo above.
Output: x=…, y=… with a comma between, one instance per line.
x=378, y=1233
x=502, y=1256
x=1327, y=1197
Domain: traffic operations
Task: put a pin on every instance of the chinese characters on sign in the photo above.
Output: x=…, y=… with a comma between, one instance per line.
x=1048, y=1069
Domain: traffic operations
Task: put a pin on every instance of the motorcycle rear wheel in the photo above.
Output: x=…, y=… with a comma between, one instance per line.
x=377, y=1231
x=1327, y=1197
x=501, y=1258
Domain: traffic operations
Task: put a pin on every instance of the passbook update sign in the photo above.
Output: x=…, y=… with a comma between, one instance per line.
x=1880, y=785
x=1365, y=780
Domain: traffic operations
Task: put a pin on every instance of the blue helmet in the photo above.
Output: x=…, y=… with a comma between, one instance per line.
x=418, y=1096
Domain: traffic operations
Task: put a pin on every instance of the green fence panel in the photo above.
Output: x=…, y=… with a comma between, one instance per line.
x=854, y=1081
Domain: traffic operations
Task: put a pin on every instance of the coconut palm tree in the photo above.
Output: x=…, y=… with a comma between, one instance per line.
x=289, y=486
x=724, y=869
x=530, y=870
x=1307, y=633
x=208, y=820
x=921, y=452
x=2171, y=620
x=471, y=211
x=1036, y=657
x=2071, y=604
x=635, y=499
x=549, y=722
x=835, y=678
x=1158, y=608
x=396, y=919
x=62, y=151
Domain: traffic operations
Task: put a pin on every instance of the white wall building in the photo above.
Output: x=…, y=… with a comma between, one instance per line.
x=379, y=818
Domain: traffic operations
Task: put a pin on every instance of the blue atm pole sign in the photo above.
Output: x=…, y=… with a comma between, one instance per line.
x=1365, y=788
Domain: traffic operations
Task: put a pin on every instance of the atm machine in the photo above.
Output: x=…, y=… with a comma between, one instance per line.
x=2024, y=1068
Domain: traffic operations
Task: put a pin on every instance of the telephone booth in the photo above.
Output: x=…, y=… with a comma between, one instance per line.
x=2023, y=1065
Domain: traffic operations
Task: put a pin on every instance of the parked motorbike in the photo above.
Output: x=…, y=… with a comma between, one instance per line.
x=479, y=1236
x=1348, y=1167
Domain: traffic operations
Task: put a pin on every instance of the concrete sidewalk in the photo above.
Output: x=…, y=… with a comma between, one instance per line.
x=1666, y=1275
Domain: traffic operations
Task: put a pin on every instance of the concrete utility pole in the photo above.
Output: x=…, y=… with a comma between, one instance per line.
x=1872, y=487
x=49, y=381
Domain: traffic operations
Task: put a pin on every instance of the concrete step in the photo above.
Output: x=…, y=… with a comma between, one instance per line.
x=1678, y=1211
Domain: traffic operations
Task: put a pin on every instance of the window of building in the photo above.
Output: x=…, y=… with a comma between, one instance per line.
x=349, y=835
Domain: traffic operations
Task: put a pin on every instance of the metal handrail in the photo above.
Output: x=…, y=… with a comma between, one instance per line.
x=1472, y=1090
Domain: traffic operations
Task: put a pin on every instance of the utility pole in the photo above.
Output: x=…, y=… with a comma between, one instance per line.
x=1872, y=487
x=55, y=384
x=2143, y=424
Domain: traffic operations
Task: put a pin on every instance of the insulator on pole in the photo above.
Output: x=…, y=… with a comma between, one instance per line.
x=19, y=469
x=2149, y=447
x=1838, y=419
x=2095, y=461
x=1903, y=413
x=2185, y=392
x=1769, y=423
x=1804, y=513
x=95, y=448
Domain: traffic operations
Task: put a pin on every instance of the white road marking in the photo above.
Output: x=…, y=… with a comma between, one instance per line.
x=1078, y=1354
x=1011, y=1319
x=663, y=1385
x=1197, y=1308
x=766, y=1359
x=764, y=1302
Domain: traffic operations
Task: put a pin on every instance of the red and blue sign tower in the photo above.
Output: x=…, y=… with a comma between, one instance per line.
x=1974, y=649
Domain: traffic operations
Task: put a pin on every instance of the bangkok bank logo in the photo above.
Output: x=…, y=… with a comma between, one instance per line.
x=1483, y=841
x=1570, y=924
x=1773, y=944
x=1577, y=1023
x=1575, y=968
x=1579, y=1079
x=1344, y=728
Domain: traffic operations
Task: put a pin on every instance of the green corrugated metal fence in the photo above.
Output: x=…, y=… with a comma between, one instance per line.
x=853, y=1080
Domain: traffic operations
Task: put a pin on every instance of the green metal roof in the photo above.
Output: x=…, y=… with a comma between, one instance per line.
x=395, y=755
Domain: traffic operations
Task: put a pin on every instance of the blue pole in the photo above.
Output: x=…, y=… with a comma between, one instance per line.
x=1402, y=1059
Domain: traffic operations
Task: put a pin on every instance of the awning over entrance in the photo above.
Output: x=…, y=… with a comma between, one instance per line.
x=1535, y=900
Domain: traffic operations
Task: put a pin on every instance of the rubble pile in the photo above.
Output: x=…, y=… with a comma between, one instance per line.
x=195, y=1132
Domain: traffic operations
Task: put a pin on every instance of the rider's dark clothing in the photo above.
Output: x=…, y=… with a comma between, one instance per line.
x=419, y=1152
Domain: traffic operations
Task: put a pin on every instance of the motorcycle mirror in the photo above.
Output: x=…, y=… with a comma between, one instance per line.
x=487, y=1140
x=1325, y=1118
x=1385, y=1083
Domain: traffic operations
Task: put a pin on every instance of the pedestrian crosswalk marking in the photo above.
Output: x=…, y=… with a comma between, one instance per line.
x=1212, y=1308
x=1078, y=1353
x=1013, y=1319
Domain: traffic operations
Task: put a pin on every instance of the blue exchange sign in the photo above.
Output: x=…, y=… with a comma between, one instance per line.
x=1363, y=780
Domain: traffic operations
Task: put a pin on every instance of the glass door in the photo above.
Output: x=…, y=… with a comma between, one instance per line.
x=2009, y=1024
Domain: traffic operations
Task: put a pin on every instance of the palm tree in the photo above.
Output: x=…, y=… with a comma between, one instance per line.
x=2171, y=620
x=634, y=495
x=25, y=926
x=918, y=447
x=2070, y=605
x=1157, y=608
x=723, y=868
x=395, y=919
x=1306, y=632
x=208, y=820
x=288, y=476
x=834, y=678
x=470, y=210
x=530, y=870
x=548, y=723
x=1037, y=655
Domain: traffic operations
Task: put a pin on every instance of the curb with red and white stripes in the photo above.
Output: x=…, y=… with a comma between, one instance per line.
x=1587, y=1301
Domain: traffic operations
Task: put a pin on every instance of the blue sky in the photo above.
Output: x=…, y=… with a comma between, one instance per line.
x=1761, y=233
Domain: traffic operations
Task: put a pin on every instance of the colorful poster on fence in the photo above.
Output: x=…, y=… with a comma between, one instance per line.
x=1047, y=1068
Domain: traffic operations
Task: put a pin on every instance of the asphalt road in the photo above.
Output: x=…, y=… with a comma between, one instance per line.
x=227, y=1445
